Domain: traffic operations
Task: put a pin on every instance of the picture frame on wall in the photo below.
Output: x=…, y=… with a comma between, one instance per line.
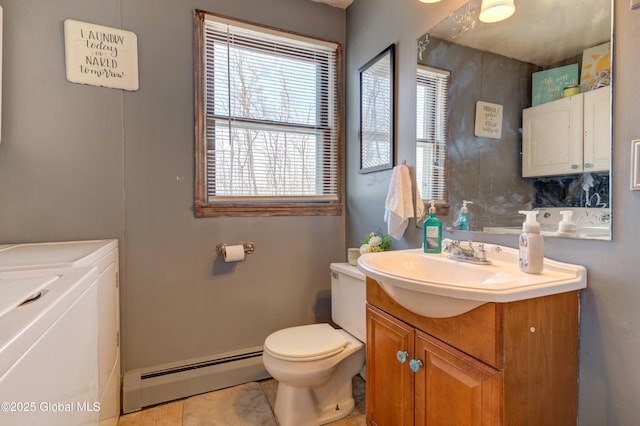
x=377, y=111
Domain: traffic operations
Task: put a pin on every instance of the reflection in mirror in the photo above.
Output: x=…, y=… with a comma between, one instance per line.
x=432, y=98
x=502, y=71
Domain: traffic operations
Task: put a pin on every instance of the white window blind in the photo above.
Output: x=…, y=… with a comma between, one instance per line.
x=432, y=132
x=270, y=115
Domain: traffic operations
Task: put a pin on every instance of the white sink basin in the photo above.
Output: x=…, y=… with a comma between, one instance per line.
x=434, y=286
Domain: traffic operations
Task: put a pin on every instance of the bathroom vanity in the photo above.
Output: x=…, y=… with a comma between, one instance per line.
x=513, y=363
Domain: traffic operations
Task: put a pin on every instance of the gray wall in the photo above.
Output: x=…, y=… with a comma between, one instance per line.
x=610, y=339
x=83, y=162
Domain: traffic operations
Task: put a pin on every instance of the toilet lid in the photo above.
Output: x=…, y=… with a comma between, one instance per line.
x=306, y=341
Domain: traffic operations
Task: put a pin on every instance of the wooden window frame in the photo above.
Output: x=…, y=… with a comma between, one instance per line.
x=251, y=207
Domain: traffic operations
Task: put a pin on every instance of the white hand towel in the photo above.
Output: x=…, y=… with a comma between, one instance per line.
x=398, y=207
x=420, y=210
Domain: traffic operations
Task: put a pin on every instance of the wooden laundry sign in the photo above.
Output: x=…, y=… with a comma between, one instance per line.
x=101, y=56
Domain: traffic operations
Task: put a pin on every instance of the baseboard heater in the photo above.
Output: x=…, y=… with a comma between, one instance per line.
x=150, y=386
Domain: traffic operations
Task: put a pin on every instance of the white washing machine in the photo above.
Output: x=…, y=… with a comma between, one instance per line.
x=48, y=341
x=103, y=256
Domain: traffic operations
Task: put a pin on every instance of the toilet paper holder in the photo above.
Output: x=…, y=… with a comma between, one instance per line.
x=249, y=248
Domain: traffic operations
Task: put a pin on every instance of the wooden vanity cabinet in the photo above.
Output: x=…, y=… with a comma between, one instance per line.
x=500, y=364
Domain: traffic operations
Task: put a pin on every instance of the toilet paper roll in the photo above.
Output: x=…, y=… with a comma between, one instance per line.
x=234, y=253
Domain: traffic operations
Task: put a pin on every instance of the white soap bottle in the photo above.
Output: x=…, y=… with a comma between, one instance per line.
x=566, y=227
x=531, y=244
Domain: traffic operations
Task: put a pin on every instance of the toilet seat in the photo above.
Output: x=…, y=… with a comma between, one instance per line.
x=305, y=343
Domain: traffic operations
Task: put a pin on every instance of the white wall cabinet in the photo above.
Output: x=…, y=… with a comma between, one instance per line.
x=567, y=136
x=597, y=130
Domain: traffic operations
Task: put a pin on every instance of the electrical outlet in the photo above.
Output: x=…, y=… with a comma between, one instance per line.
x=635, y=4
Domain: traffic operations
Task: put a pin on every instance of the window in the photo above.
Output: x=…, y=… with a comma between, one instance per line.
x=432, y=133
x=267, y=121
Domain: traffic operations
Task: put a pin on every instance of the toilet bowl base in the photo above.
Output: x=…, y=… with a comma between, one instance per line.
x=316, y=392
x=299, y=406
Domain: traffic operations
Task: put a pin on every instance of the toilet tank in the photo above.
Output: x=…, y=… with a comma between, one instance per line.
x=349, y=299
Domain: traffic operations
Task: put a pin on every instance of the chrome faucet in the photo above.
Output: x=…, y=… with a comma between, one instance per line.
x=466, y=254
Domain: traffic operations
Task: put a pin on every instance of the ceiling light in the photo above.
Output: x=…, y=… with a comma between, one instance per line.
x=496, y=10
x=429, y=1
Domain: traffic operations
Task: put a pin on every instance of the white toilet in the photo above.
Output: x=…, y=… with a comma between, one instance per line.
x=314, y=364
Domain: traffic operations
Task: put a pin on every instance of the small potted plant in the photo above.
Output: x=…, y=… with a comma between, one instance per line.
x=375, y=243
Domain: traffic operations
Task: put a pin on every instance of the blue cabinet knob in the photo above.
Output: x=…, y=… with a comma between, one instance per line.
x=415, y=365
x=402, y=356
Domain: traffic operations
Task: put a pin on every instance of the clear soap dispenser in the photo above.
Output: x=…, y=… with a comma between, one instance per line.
x=531, y=244
x=464, y=216
x=432, y=232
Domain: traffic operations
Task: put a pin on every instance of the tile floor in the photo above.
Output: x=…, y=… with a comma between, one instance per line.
x=170, y=414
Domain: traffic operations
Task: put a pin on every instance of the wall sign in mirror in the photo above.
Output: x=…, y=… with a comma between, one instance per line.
x=488, y=120
x=377, y=109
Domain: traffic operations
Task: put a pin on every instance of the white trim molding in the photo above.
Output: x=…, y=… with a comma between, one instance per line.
x=635, y=164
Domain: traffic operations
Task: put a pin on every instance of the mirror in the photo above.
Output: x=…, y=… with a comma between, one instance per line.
x=492, y=69
x=377, y=112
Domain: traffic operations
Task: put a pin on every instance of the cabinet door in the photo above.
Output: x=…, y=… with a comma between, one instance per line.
x=552, y=138
x=597, y=130
x=453, y=388
x=390, y=383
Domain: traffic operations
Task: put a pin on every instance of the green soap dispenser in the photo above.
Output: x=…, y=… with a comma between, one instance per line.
x=464, y=216
x=432, y=232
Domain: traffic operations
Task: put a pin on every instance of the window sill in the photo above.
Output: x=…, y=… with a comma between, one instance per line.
x=265, y=210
